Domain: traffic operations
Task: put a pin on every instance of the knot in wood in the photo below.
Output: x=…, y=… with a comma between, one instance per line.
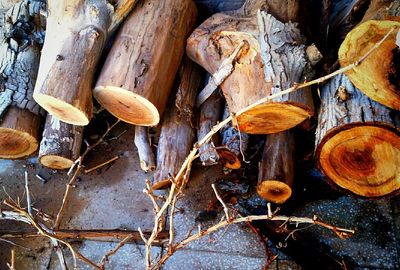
x=342, y=93
x=59, y=57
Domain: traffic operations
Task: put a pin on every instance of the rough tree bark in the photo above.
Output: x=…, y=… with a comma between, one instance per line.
x=76, y=32
x=60, y=145
x=272, y=58
x=21, y=40
x=210, y=113
x=151, y=45
x=234, y=142
x=377, y=76
x=145, y=150
x=358, y=141
x=177, y=131
x=276, y=172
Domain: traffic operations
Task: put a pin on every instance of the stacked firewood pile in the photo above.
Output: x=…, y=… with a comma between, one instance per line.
x=258, y=63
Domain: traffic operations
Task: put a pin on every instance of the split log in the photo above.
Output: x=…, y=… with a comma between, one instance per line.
x=276, y=172
x=272, y=58
x=151, y=44
x=22, y=37
x=177, y=131
x=358, y=141
x=60, y=145
x=377, y=76
x=235, y=144
x=145, y=150
x=210, y=113
x=76, y=32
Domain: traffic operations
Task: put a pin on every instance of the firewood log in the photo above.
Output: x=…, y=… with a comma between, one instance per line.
x=235, y=144
x=276, y=172
x=145, y=151
x=60, y=145
x=21, y=40
x=358, y=141
x=138, y=75
x=377, y=76
x=76, y=32
x=210, y=113
x=177, y=131
x=269, y=61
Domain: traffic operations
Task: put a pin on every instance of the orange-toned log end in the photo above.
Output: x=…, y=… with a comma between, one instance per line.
x=56, y=162
x=127, y=106
x=163, y=184
x=274, y=191
x=229, y=160
x=364, y=160
x=377, y=76
x=63, y=110
x=19, y=134
x=269, y=118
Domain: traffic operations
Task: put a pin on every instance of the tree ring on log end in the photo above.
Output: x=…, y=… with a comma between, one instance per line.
x=127, y=106
x=269, y=118
x=363, y=159
x=16, y=144
x=163, y=184
x=55, y=162
x=274, y=191
x=374, y=75
x=62, y=110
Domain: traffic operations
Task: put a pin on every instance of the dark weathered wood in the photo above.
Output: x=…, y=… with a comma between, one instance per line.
x=269, y=62
x=358, y=140
x=76, y=32
x=210, y=113
x=233, y=144
x=151, y=44
x=60, y=145
x=177, y=131
x=21, y=40
x=276, y=172
x=145, y=150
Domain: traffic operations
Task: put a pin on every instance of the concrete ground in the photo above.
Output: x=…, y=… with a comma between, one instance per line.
x=112, y=198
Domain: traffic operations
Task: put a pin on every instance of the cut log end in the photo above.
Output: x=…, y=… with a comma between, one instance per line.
x=16, y=144
x=271, y=118
x=163, y=184
x=127, y=106
x=364, y=160
x=62, y=110
x=229, y=160
x=56, y=162
x=274, y=191
x=377, y=75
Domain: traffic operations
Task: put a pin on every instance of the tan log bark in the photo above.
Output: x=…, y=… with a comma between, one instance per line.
x=276, y=172
x=136, y=80
x=358, y=141
x=145, y=150
x=22, y=36
x=234, y=144
x=210, y=113
x=60, y=145
x=269, y=62
x=76, y=32
x=378, y=76
x=177, y=131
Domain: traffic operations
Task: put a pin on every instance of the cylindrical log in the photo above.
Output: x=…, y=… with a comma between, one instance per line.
x=358, y=141
x=272, y=58
x=60, y=145
x=235, y=144
x=210, y=113
x=145, y=150
x=20, y=52
x=276, y=172
x=378, y=75
x=177, y=131
x=137, y=77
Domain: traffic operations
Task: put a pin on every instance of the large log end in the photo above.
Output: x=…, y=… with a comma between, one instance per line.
x=127, y=106
x=269, y=118
x=274, y=191
x=362, y=159
x=56, y=162
x=377, y=75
